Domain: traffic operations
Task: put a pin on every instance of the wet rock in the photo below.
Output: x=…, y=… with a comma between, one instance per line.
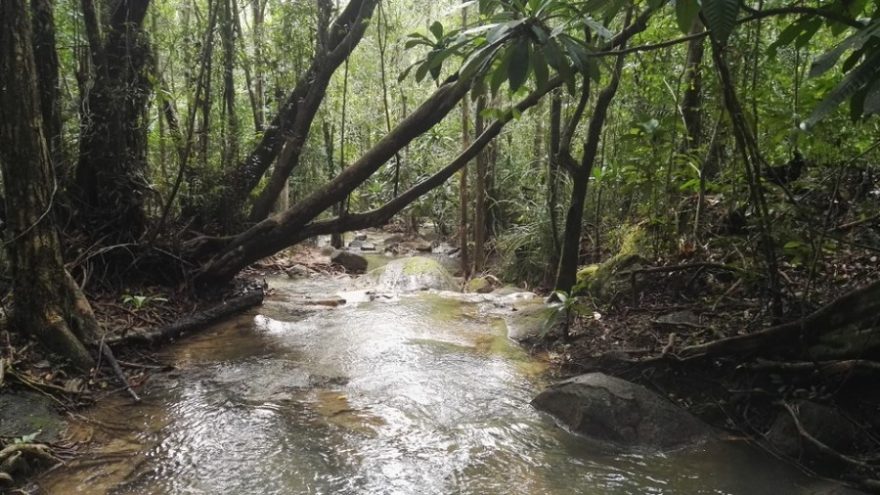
x=824, y=423
x=297, y=271
x=356, y=244
x=620, y=413
x=533, y=321
x=368, y=246
x=413, y=274
x=352, y=263
x=360, y=236
x=25, y=414
x=479, y=285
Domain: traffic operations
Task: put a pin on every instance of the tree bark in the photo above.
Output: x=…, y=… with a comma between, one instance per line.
x=463, y=196
x=46, y=58
x=48, y=304
x=111, y=174
x=291, y=125
x=480, y=193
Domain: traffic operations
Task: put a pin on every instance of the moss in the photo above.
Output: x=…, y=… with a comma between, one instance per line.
x=602, y=281
x=419, y=265
x=479, y=285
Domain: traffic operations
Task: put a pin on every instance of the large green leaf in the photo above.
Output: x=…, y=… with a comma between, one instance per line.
x=827, y=60
x=864, y=74
x=721, y=18
x=518, y=68
x=685, y=13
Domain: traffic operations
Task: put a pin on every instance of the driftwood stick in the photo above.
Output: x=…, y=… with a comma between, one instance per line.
x=192, y=322
x=108, y=353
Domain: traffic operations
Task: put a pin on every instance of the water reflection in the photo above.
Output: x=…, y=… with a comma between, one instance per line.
x=413, y=395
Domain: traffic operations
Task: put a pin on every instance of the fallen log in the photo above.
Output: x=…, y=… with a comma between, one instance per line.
x=856, y=306
x=192, y=322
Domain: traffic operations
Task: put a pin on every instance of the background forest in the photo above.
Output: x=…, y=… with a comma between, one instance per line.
x=722, y=151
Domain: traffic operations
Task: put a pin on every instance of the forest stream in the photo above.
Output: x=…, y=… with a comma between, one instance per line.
x=414, y=394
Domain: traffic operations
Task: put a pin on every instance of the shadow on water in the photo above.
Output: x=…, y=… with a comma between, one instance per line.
x=413, y=395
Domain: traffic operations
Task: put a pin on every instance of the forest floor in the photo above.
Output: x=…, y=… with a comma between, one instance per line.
x=820, y=414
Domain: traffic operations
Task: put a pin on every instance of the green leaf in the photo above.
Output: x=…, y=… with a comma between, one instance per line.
x=827, y=60
x=855, y=80
x=437, y=30
x=685, y=13
x=518, y=67
x=721, y=18
x=539, y=65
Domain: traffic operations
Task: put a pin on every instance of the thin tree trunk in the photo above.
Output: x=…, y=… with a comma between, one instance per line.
x=231, y=131
x=463, y=178
x=480, y=193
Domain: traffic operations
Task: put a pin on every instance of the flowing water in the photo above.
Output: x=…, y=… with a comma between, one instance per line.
x=416, y=394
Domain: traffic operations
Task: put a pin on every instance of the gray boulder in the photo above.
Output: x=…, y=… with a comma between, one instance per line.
x=531, y=320
x=352, y=263
x=616, y=412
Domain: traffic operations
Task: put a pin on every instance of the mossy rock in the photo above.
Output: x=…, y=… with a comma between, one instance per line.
x=533, y=322
x=605, y=280
x=26, y=414
x=413, y=274
x=479, y=285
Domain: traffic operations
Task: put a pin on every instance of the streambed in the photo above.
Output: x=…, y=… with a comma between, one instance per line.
x=405, y=394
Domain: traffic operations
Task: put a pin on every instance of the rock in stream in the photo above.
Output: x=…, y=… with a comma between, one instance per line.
x=613, y=411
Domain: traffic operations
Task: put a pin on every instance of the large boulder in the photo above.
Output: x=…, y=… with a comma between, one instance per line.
x=353, y=263
x=413, y=274
x=616, y=412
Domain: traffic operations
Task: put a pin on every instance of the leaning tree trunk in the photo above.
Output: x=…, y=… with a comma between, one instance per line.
x=111, y=175
x=48, y=304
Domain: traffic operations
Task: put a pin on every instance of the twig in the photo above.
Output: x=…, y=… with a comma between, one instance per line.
x=108, y=353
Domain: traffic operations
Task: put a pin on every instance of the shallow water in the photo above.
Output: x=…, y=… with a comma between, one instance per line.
x=415, y=394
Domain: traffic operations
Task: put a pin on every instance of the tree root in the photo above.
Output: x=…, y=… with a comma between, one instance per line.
x=854, y=307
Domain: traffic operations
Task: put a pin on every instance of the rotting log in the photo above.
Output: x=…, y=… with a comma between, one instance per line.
x=191, y=323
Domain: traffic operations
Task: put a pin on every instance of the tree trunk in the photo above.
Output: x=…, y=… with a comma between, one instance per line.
x=480, y=193
x=692, y=100
x=48, y=304
x=43, y=21
x=566, y=275
x=463, y=177
x=110, y=177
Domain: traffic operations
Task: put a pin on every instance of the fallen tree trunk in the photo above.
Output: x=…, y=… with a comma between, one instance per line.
x=280, y=231
x=857, y=306
x=193, y=322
